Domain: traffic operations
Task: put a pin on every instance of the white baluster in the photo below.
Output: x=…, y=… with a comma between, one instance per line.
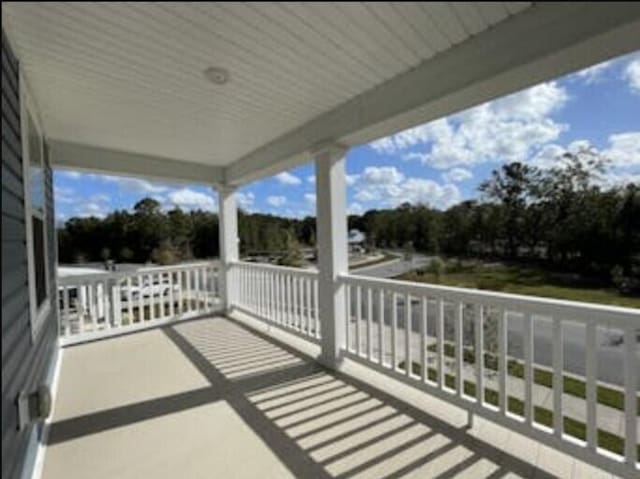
x=394, y=332
x=309, y=305
x=528, y=368
x=318, y=327
x=358, y=319
x=381, y=326
x=440, y=343
x=591, y=392
x=478, y=313
x=117, y=306
x=66, y=315
x=630, y=394
x=347, y=305
x=459, y=342
x=558, y=383
x=93, y=314
x=152, y=299
x=369, y=328
x=171, y=296
x=407, y=335
x=140, y=300
x=423, y=339
x=290, y=319
x=294, y=303
x=189, y=280
x=502, y=360
x=129, y=300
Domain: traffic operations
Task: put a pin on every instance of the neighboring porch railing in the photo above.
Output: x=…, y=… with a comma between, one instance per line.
x=97, y=305
x=285, y=297
x=493, y=354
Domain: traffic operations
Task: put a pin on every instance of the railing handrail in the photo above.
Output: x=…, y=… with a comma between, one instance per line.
x=116, y=275
x=386, y=330
x=297, y=271
x=569, y=310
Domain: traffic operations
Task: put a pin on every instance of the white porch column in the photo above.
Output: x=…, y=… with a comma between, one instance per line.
x=228, y=237
x=331, y=226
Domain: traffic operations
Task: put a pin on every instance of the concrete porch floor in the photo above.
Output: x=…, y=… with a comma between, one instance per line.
x=215, y=398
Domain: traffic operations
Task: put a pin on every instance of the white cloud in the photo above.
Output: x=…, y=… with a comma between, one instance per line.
x=188, y=199
x=350, y=179
x=91, y=208
x=384, y=145
x=287, y=178
x=100, y=198
x=136, y=185
x=276, y=200
x=623, y=151
x=503, y=130
x=72, y=175
x=457, y=175
x=616, y=179
x=413, y=136
x=632, y=75
x=374, y=175
x=548, y=156
x=428, y=192
x=64, y=195
x=310, y=198
x=355, y=209
x=624, y=148
x=386, y=186
x=245, y=200
x=594, y=73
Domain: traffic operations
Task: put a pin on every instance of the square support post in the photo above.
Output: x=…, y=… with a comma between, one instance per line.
x=333, y=260
x=228, y=240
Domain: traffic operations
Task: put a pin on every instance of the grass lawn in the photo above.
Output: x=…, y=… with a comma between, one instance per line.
x=571, y=385
x=526, y=280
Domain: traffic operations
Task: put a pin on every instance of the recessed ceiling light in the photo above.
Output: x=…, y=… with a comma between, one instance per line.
x=217, y=75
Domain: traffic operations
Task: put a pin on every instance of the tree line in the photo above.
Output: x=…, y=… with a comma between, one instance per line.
x=560, y=217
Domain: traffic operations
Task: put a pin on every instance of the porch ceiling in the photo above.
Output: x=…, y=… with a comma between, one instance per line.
x=129, y=77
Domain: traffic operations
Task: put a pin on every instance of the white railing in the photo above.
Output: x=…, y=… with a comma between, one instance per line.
x=102, y=304
x=490, y=353
x=285, y=297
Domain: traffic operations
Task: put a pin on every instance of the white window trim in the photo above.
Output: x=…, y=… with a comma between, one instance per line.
x=37, y=314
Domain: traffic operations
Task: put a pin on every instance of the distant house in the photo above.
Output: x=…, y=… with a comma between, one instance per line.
x=356, y=241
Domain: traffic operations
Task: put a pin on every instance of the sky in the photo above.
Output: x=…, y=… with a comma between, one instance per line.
x=439, y=163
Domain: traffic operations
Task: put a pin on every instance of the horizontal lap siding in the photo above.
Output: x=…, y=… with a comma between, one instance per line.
x=24, y=362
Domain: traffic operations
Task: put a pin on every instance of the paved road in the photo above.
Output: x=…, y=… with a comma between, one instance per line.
x=394, y=267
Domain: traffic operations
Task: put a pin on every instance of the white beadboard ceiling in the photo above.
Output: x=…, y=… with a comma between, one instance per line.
x=129, y=76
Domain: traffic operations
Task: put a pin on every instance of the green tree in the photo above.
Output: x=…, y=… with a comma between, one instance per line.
x=292, y=253
x=150, y=227
x=514, y=186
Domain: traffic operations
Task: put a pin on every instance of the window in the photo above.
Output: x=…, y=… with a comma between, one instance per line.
x=35, y=214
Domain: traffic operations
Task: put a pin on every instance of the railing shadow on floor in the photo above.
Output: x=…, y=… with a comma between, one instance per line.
x=319, y=423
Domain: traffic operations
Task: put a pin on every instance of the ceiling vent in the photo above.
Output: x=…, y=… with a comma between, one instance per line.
x=217, y=75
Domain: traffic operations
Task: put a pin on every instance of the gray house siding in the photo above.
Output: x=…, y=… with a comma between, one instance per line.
x=25, y=362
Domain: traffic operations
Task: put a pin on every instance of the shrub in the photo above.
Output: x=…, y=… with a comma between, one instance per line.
x=437, y=267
